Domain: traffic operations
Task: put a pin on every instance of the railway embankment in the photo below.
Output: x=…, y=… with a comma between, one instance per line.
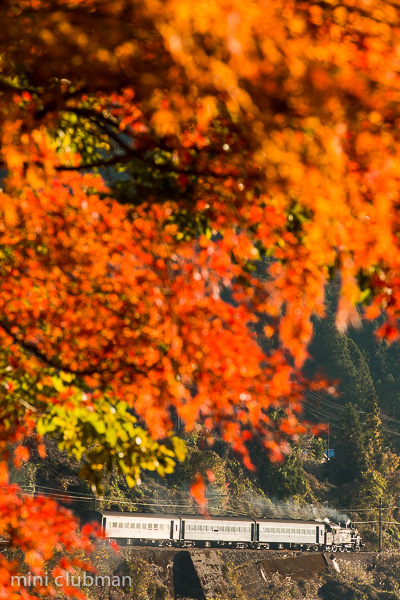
x=199, y=574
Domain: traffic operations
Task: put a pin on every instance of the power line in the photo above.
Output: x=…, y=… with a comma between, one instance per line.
x=324, y=400
x=324, y=414
x=182, y=505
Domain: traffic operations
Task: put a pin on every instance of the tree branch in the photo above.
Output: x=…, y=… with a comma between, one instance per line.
x=42, y=357
x=107, y=162
x=131, y=153
x=7, y=85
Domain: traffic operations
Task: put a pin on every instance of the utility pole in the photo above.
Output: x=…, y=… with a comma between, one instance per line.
x=380, y=525
x=327, y=452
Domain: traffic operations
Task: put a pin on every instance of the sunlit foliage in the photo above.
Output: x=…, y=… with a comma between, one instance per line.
x=172, y=171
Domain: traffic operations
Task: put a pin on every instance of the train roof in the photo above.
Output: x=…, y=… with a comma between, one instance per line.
x=109, y=513
x=216, y=518
x=298, y=521
x=117, y=513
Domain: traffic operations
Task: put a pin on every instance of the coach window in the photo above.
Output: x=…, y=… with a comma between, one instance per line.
x=114, y=525
x=156, y=526
x=144, y=525
x=126, y=525
x=138, y=525
x=287, y=529
x=150, y=526
x=293, y=531
x=120, y=525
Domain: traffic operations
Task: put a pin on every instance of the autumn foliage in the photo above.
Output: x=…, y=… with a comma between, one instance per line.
x=174, y=171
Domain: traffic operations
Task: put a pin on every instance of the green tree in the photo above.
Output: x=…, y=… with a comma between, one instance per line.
x=287, y=479
x=349, y=462
x=318, y=448
x=375, y=453
x=381, y=463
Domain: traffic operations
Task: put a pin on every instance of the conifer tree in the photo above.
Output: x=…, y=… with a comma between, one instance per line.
x=373, y=434
x=380, y=462
x=363, y=384
x=349, y=462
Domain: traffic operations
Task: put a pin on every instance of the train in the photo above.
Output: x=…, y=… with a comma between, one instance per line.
x=188, y=531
